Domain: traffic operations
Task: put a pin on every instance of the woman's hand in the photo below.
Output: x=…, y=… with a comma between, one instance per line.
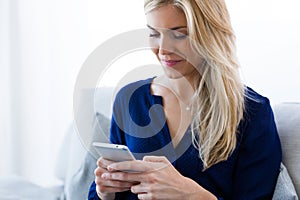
x=158, y=179
x=106, y=188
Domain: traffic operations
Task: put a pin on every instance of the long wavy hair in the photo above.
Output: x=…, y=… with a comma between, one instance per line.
x=219, y=102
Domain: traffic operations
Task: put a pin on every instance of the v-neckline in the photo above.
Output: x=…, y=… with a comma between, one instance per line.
x=166, y=130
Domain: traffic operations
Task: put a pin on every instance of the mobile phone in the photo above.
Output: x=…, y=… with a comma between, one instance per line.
x=113, y=152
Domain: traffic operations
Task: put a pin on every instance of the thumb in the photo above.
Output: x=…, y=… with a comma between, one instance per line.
x=162, y=159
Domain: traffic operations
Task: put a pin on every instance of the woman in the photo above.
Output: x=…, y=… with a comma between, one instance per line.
x=213, y=138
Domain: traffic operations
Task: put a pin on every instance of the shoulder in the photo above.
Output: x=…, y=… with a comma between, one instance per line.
x=253, y=97
x=132, y=87
x=135, y=89
x=258, y=121
x=255, y=103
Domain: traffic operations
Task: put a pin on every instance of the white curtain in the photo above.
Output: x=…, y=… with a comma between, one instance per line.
x=42, y=46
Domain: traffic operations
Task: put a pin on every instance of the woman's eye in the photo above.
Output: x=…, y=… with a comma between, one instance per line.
x=154, y=35
x=179, y=35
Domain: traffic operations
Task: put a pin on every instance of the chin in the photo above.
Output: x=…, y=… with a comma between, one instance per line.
x=173, y=75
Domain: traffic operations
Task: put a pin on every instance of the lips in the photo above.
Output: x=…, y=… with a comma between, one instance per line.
x=170, y=63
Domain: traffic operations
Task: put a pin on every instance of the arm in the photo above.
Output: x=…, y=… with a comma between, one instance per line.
x=259, y=157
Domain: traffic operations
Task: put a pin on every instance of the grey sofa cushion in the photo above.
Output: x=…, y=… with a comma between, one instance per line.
x=287, y=116
x=19, y=188
x=77, y=185
x=284, y=187
x=92, y=125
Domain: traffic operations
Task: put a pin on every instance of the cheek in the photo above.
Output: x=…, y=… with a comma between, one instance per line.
x=153, y=46
x=191, y=56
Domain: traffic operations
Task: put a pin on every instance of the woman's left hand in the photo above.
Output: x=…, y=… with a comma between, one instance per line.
x=157, y=179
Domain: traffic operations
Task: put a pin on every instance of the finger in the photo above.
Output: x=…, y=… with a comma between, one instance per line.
x=124, y=176
x=113, y=183
x=145, y=196
x=133, y=166
x=139, y=188
x=156, y=159
x=101, y=162
x=107, y=189
x=109, y=186
x=157, y=162
x=99, y=171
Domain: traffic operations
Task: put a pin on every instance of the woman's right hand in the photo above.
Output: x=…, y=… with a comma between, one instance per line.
x=106, y=188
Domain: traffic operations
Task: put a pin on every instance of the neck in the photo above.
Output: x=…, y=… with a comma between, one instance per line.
x=181, y=87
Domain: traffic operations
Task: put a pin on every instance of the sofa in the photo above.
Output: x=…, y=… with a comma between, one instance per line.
x=287, y=116
x=77, y=159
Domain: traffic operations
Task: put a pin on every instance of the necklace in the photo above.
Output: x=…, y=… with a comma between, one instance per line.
x=187, y=107
x=182, y=100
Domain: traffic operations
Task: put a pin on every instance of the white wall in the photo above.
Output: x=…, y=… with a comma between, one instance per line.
x=267, y=40
x=269, y=46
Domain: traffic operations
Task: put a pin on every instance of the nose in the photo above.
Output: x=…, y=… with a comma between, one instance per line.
x=165, y=46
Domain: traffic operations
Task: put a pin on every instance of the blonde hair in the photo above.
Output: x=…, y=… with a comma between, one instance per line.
x=219, y=103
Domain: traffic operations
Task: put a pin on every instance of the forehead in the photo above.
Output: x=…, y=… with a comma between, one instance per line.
x=166, y=17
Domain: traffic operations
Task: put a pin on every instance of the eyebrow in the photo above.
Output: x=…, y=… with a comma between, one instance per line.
x=173, y=28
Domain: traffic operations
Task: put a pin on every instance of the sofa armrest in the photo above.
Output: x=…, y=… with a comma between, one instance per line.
x=287, y=116
x=16, y=187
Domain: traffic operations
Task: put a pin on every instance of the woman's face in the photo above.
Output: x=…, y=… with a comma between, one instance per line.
x=170, y=43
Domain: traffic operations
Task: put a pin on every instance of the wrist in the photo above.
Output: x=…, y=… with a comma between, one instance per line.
x=197, y=192
x=106, y=196
x=202, y=195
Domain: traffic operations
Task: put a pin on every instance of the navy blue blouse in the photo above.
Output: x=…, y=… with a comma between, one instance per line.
x=250, y=172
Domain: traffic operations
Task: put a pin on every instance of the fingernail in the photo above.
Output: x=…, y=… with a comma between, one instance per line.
x=109, y=168
x=105, y=175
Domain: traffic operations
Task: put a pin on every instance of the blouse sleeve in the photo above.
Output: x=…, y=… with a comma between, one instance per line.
x=117, y=120
x=92, y=192
x=116, y=134
x=259, y=156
